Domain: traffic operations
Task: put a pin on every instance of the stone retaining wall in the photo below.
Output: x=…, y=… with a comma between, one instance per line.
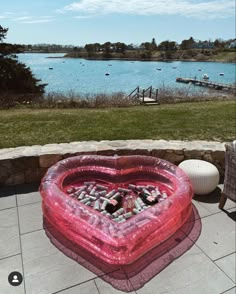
x=29, y=164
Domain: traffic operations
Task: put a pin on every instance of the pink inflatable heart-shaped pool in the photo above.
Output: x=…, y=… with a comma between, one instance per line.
x=117, y=207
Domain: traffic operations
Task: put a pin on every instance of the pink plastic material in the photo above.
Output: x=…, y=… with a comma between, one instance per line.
x=116, y=239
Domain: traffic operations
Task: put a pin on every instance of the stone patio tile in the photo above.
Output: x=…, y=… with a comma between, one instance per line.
x=217, y=237
x=210, y=202
x=193, y=272
x=47, y=269
x=231, y=213
x=227, y=264
x=8, y=265
x=106, y=288
x=7, y=202
x=30, y=217
x=9, y=233
x=27, y=193
x=202, y=211
x=231, y=291
x=7, y=197
x=85, y=288
x=212, y=207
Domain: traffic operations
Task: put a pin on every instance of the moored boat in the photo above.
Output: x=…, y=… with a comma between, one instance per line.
x=205, y=77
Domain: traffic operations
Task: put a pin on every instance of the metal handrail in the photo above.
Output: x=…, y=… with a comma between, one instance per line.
x=135, y=90
x=142, y=93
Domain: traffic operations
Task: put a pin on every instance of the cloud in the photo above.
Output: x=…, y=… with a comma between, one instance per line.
x=6, y=14
x=33, y=20
x=37, y=21
x=25, y=18
x=22, y=18
x=188, y=8
x=84, y=16
x=9, y=13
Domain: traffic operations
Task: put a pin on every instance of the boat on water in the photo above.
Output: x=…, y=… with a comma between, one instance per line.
x=205, y=77
x=221, y=74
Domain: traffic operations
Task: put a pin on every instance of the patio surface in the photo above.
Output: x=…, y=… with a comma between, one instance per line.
x=208, y=266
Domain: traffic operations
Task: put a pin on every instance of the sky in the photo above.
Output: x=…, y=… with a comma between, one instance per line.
x=80, y=22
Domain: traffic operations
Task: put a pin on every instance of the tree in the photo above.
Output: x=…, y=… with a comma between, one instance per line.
x=146, y=46
x=187, y=44
x=150, y=46
x=3, y=33
x=167, y=46
x=90, y=49
x=153, y=44
x=97, y=47
x=219, y=43
x=119, y=47
x=15, y=77
x=107, y=47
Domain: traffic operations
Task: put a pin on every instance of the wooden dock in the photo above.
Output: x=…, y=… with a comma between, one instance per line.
x=147, y=96
x=206, y=83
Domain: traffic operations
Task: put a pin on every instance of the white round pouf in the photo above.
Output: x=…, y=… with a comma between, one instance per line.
x=203, y=175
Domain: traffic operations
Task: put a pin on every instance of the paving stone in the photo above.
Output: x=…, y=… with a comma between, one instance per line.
x=191, y=273
x=51, y=149
x=174, y=158
x=6, y=170
x=7, y=197
x=211, y=201
x=30, y=217
x=202, y=211
x=158, y=153
x=7, y=202
x=179, y=152
x=8, y=265
x=118, y=144
x=231, y=291
x=9, y=232
x=196, y=154
x=15, y=178
x=227, y=264
x=218, y=236
x=33, y=150
x=48, y=270
x=18, y=165
x=27, y=193
x=85, y=288
x=105, y=288
x=32, y=175
x=48, y=160
x=208, y=157
x=22, y=163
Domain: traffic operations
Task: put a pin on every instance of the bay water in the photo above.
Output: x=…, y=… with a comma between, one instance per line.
x=81, y=76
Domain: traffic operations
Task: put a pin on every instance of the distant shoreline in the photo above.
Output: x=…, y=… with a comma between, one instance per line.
x=179, y=55
x=144, y=60
x=224, y=57
x=148, y=60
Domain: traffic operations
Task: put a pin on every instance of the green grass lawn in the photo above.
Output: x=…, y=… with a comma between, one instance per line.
x=184, y=121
